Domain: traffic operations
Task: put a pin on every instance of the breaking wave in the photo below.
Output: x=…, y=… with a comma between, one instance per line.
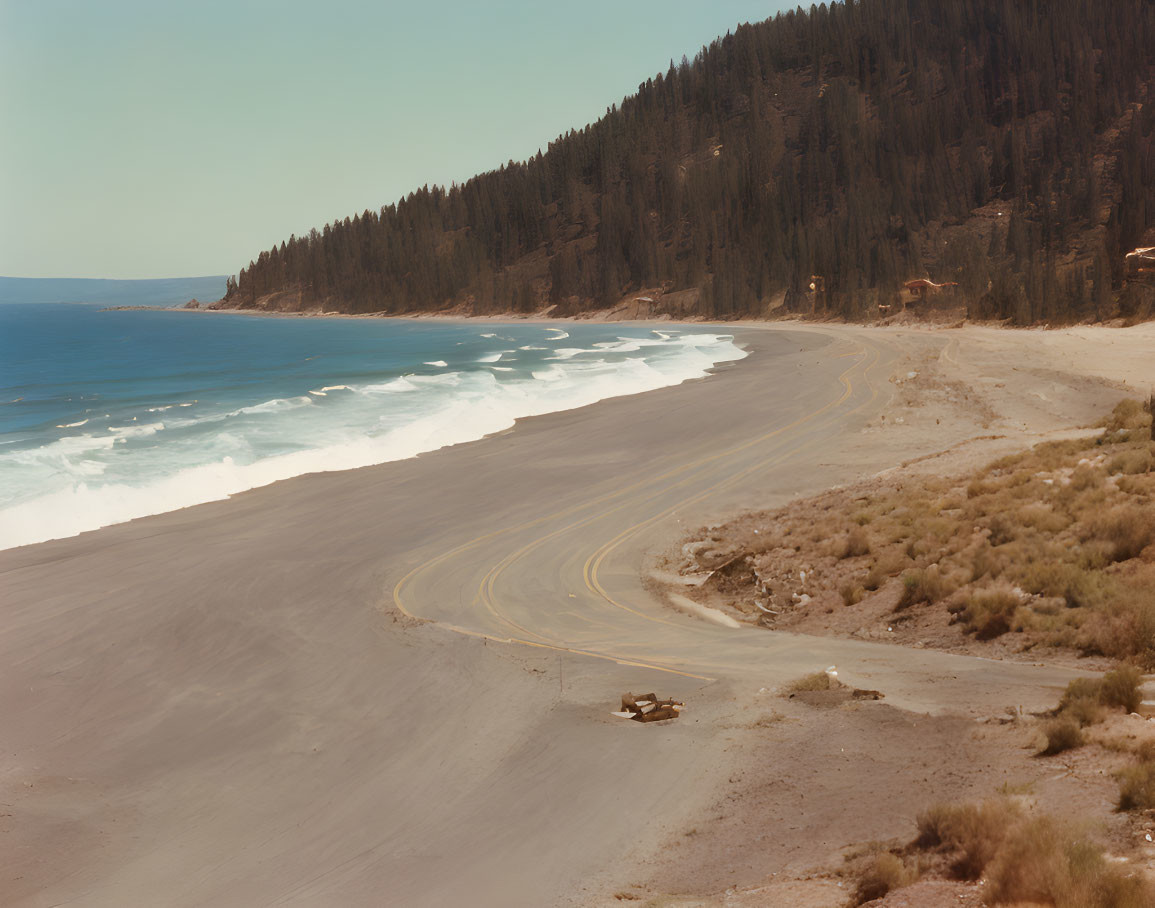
x=111, y=474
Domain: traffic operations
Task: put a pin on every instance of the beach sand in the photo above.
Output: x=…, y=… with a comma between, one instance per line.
x=305, y=694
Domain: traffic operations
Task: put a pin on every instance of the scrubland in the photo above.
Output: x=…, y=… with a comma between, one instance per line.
x=1053, y=547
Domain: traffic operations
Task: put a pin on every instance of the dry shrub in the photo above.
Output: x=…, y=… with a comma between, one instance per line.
x=1118, y=688
x=1062, y=734
x=1121, y=688
x=1123, y=623
x=817, y=681
x=1073, y=583
x=1003, y=530
x=1083, y=710
x=1042, y=517
x=989, y=612
x=1028, y=859
x=852, y=593
x=1128, y=414
x=1081, y=689
x=977, y=488
x=1137, y=786
x=972, y=833
x=926, y=585
x=1086, y=477
x=1128, y=529
x=986, y=562
x=857, y=543
x=882, y=569
x=1045, y=863
x=881, y=873
x=1131, y=462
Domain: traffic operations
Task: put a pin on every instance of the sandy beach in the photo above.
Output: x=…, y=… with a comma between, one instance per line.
x=392, y=686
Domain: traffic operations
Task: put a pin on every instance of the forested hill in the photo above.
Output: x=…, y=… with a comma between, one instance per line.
x=1006, y=145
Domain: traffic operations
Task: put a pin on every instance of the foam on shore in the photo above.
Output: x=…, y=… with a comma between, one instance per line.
x=115, y=474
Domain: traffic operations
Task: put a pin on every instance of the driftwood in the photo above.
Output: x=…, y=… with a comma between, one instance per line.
x=655, y=710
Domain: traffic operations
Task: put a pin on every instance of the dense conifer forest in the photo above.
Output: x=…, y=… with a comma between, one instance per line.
x=1007, y=146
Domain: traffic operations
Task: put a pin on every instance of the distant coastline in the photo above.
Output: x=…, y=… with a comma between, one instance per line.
x=147, y=292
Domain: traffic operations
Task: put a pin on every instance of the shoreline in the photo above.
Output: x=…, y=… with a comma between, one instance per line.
x=217, y=673
x=219, y=481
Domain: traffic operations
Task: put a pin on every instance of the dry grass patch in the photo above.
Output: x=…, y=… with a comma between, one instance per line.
x=925, y=585
x=880, y=873
x=1044, y=862
x=990, y=613
x=1020, y=856
x=816, y=681
x=1062, y=734
x=856, y=544
x=1137, y=786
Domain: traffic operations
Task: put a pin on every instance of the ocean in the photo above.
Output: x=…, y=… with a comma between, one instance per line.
x=106, y=416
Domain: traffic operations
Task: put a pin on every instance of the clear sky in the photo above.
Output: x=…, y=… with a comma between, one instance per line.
x=149, y=138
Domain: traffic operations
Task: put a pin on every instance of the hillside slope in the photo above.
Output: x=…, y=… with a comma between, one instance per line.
x=1004, y=146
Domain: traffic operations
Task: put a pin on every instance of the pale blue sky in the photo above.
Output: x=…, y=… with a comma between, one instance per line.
x=144, y=138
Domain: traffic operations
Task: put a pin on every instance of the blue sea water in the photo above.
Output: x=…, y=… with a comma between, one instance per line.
x=110, y=415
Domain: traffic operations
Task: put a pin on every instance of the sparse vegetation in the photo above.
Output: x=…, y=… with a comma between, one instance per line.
x=852, y=593
x=1021, y=856
x=971, y=834
x=1121, y=688
x=857, y=543
x=1043, y=862
x=1085, y=699
x=1137, y=786
x=1055, y=545
x=991, y=612
x=816, y=681
x=1062, y=734
x=881, y=872
x=923, y=585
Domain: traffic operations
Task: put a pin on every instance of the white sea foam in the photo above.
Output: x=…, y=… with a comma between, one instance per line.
x=439, y=363
x=396, y=386
x=72, y=425
x=554, y=374
x=558, y=334
x=275, y=405
x=433, y=411
x=136, y=431
x=490, y=357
